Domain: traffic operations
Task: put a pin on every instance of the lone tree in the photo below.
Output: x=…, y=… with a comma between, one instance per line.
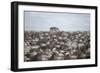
x=54, y=29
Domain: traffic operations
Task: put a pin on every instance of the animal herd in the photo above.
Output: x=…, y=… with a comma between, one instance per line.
x=61, y=45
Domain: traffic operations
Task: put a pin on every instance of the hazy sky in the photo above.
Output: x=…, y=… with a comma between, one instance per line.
x=42, y=21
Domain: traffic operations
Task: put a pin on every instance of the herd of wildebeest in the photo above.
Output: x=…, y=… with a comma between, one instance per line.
x=56, y=45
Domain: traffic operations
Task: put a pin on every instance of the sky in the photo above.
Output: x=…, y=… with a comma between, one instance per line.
x=42, y=21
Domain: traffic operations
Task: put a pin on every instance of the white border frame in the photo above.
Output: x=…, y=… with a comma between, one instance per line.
x=22, y=64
